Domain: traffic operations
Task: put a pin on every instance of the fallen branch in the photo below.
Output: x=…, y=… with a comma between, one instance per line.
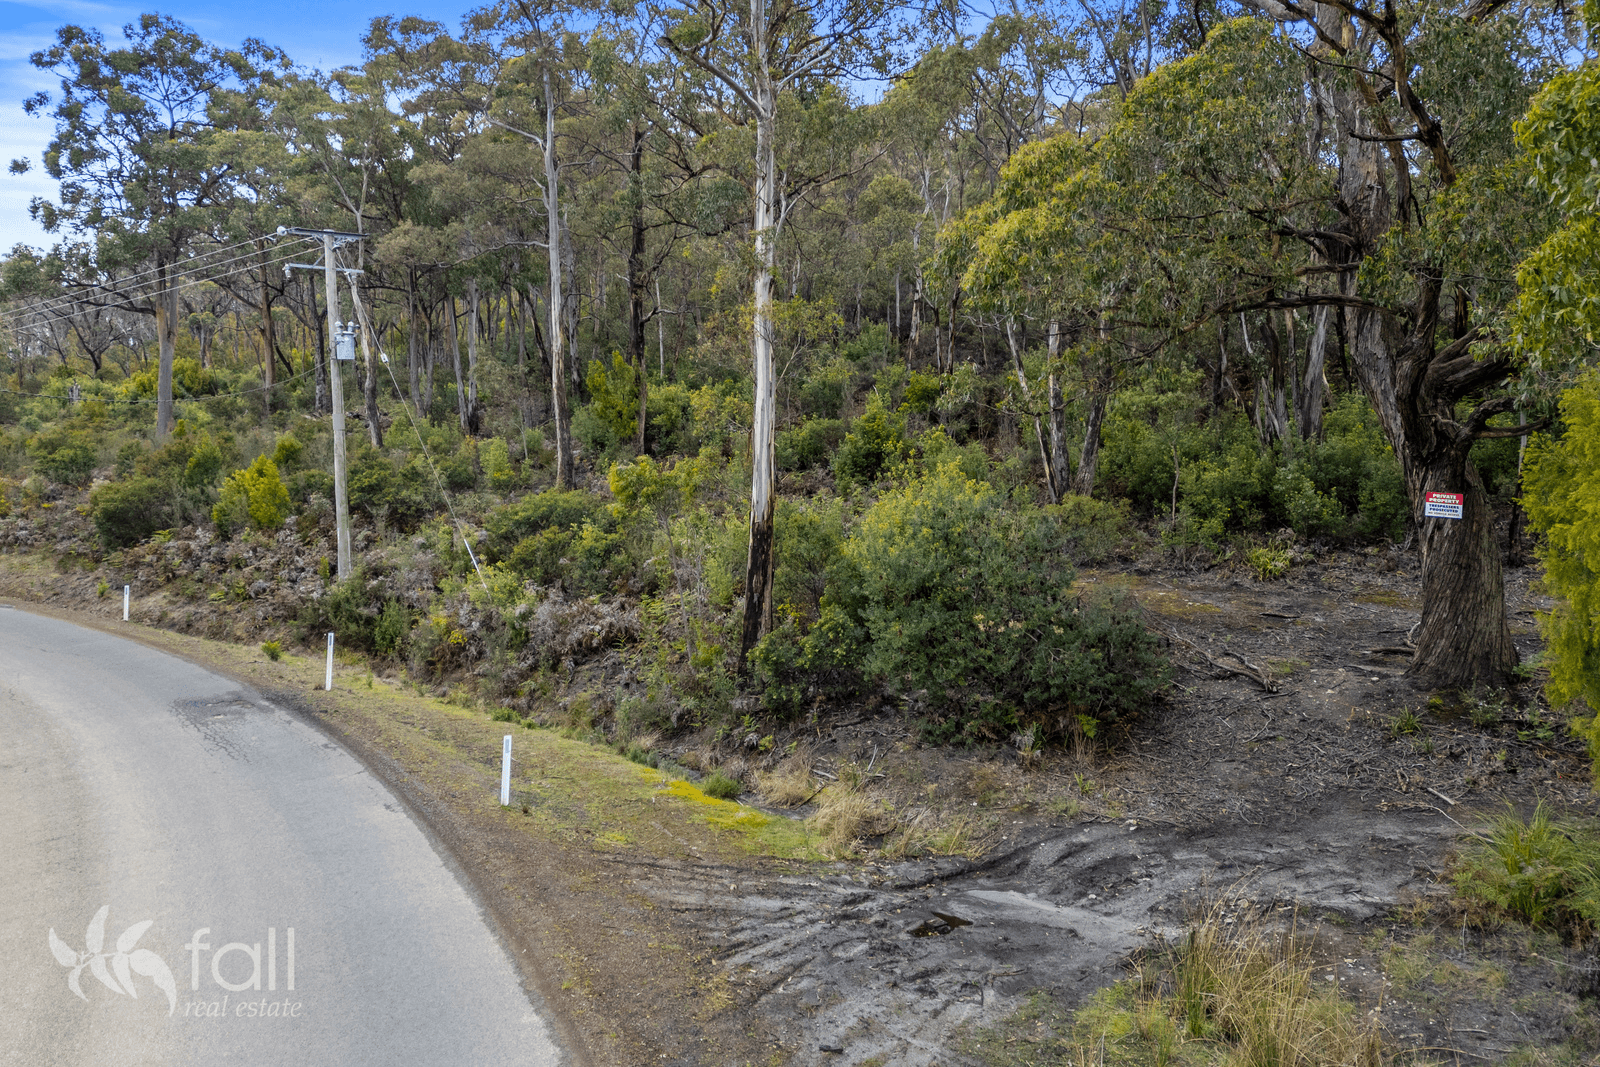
x=1245, y=670
x=1254, y=671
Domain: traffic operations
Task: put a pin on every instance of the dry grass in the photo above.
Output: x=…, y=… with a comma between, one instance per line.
x=789, y=784
x=1237, y=991
x=1237, y=979
x=843, y=817
x=930, y=833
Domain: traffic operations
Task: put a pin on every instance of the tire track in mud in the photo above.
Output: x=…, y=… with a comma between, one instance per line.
x=894, y=962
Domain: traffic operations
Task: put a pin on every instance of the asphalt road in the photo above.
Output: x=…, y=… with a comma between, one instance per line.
x=330, y=931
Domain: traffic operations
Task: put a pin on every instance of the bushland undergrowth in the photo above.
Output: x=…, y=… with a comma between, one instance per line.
x=920, y=564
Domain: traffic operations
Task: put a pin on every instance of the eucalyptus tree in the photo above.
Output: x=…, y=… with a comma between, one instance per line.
x=645, y=119
x=529, y=97
x=1433, y=209
x=762, y=51
x=1271, y=172
x=132, y=152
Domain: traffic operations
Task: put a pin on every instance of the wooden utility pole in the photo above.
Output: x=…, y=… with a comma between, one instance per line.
x=341, y=498
x=331, y=239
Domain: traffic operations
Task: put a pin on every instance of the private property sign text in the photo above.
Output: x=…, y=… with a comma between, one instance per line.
x=1442, y=505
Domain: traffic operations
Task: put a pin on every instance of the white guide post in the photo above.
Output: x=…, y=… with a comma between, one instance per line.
x=328, y=685
x=126, y=590
x=505, y=771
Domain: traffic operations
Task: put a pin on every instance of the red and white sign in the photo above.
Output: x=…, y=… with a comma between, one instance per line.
x=1443, y=505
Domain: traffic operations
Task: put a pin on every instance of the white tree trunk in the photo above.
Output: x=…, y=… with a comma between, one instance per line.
x=558, y=333
x=763, y=478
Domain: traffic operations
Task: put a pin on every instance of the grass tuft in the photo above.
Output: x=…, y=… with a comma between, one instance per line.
x=790, y=784
x=722, y=787
x=1544, y=872
x=1234, y=990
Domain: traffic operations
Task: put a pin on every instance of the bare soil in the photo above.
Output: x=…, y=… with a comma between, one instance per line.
x=1277, y=772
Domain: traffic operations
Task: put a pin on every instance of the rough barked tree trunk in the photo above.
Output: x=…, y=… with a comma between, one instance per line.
x=1414, y=385
x=269, y=343
x=1089, y=457
x=455, y=361
x=474, y=299
x=411, y=343
x=1464, y=637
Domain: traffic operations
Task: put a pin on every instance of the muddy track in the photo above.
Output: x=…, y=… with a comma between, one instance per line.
x=892, y=962
x=1290, y=794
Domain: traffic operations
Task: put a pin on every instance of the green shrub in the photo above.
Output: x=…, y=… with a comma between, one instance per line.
x=348, y=608
x=495, y=456
x=1355, y=465
x=305, y=484
x=876, y=442
x=63, y=455
x=669, y=420
x=189, y=378
x=536, y=513
x=639, y=716
x=1544, y=873
x=1560, y=478
x=870, y=346
x=287, y=452
x=781, y=669
x=255, y=496
x=721, y=415
x=808, y=535
x=614, y=402
x=379, y=491
x=1269, y=564
x=1091, y=530
x=389, y=634
x=459, y=466
x=205, y=463
x=126, y=513
x=922, y=393
x=1228, y=490
x=720, y=786
x=538, y=558
x=944, y=589
x=936, y=449
x=808, y=445
x=645, y=487
x=824, y=390
x=273, y=650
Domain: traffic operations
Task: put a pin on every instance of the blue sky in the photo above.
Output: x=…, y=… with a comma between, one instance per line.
x=315, y=33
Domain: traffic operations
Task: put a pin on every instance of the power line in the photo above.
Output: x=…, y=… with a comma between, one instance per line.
x=192, y=263
x=181, y=279
x=286, y=255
